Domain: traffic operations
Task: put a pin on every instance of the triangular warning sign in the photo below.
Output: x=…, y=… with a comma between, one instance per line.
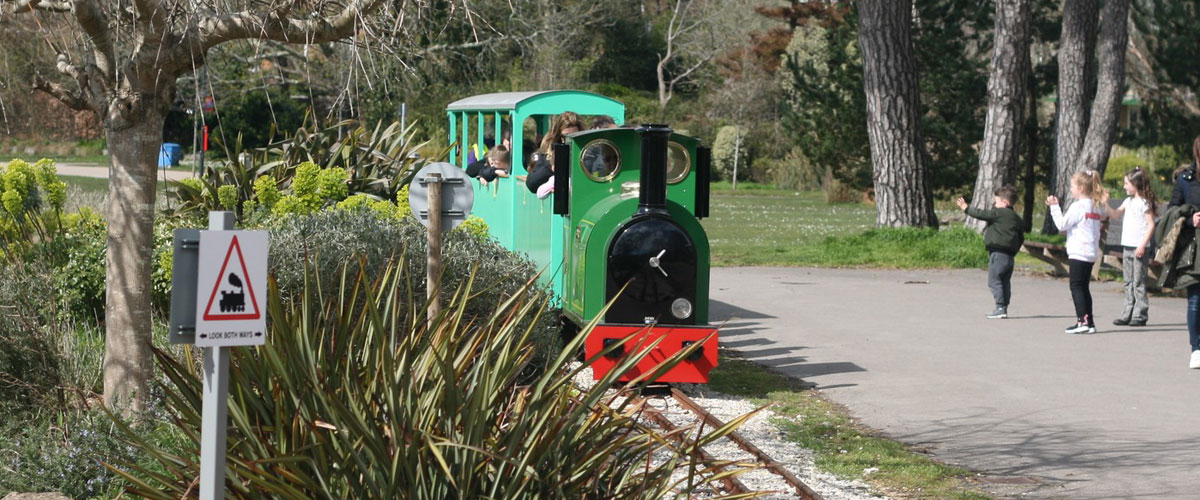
x=233, y=304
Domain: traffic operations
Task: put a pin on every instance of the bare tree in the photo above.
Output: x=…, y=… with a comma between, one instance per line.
x=121, y=60
x=1085, y=127
x=691, y=42
x=903, y=194
x=1006, y=101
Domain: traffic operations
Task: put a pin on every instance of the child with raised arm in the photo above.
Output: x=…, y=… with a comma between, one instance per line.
x=1002, y=237
x=1137, y=227
x=1081, y=224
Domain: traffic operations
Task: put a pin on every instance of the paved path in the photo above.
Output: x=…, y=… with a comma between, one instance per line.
x=102, y=171
x=1110, y=415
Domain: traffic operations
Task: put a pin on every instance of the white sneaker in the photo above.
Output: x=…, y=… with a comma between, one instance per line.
x=1081, y=328
x=1195, y=363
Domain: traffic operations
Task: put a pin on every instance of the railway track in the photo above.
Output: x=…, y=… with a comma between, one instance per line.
x=701, y=418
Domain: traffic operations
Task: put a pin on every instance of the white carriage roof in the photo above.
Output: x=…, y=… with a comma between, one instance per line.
x=506, y=100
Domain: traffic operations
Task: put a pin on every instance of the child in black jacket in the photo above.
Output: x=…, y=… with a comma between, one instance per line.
x=1003, y=236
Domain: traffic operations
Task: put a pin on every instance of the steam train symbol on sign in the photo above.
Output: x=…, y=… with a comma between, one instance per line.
x=233, y=301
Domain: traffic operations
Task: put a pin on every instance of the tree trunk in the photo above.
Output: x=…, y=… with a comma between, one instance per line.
x=1031, y=148
x=903, y=194
x=134, y=132
x=1006, y=100
x=737, y=143
x=1110, y=88
x=1075, y=77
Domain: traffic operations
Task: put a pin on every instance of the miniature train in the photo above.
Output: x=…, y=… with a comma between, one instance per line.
x=621, y=226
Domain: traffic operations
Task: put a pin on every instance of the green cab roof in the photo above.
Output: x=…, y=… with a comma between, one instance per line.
x=508, y=101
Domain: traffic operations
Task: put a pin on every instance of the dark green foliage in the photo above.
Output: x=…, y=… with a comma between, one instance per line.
x=826, y=108
x=381, y=159
x=624, y=48
x=640, y=106
x=953, y=48
x=377, y=162
x=1171, y=29
x=256, y=115
x=79, y=272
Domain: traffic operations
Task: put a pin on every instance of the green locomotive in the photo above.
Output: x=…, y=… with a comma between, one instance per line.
x=621, y=226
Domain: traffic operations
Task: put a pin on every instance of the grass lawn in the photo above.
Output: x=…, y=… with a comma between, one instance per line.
x=754, y=227
x=87, y=184
x=842, y=447
x=92, y=191
x=74, y=159
x=759, y=226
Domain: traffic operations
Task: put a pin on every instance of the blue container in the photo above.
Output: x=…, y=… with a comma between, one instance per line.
x=169, y=155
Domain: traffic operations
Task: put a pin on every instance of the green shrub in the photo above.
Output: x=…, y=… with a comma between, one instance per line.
x=164, y=256
x=326, y=240
x=266, y=190
x=227, y=197
x=474, y=226
x=64, y=456
x=378, y=161
x=1159, y=161
x=31, y=201
x=1118, y=166
x=794, y=172
x=371, y=403
x=29, y=364
x=728, y=148
x=80, y=275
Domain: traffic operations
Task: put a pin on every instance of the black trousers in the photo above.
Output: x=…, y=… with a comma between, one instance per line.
x=1081, y=276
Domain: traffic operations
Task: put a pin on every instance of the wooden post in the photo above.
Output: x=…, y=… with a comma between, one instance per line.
x=434, y=265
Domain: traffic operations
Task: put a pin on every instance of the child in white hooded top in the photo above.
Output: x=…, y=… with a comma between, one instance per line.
x=1081, y=224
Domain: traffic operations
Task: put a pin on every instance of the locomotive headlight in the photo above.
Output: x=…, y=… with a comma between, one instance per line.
x=681, y=308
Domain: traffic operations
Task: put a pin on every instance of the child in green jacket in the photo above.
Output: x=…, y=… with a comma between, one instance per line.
x=1003, y=236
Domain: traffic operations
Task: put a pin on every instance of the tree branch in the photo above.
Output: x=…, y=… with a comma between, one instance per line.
x=22, y=6
x=91, y=18
x=275, y=25
x=153, y=14
x=678, y=78
x=71, y=99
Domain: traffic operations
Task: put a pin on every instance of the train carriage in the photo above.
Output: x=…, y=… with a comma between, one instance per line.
x=621, y=226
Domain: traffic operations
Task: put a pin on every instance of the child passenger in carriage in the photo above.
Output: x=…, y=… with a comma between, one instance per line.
x=495, y=164
x=541, y=171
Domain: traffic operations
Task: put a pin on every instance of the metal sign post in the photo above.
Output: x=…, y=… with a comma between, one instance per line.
x=216, y=401
x=441, y=198
x=218, y=300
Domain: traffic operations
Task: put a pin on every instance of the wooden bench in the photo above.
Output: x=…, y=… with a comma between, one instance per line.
x=1055, y=255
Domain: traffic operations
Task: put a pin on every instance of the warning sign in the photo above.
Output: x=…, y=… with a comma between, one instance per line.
x=231, y=288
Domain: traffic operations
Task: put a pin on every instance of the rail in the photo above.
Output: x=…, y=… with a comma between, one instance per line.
x=731, y=485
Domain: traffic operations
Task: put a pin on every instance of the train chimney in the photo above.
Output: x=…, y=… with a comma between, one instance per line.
x=652, y=193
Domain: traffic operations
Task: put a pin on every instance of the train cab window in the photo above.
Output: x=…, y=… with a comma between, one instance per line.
x=600, y=160
x=679, y=163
